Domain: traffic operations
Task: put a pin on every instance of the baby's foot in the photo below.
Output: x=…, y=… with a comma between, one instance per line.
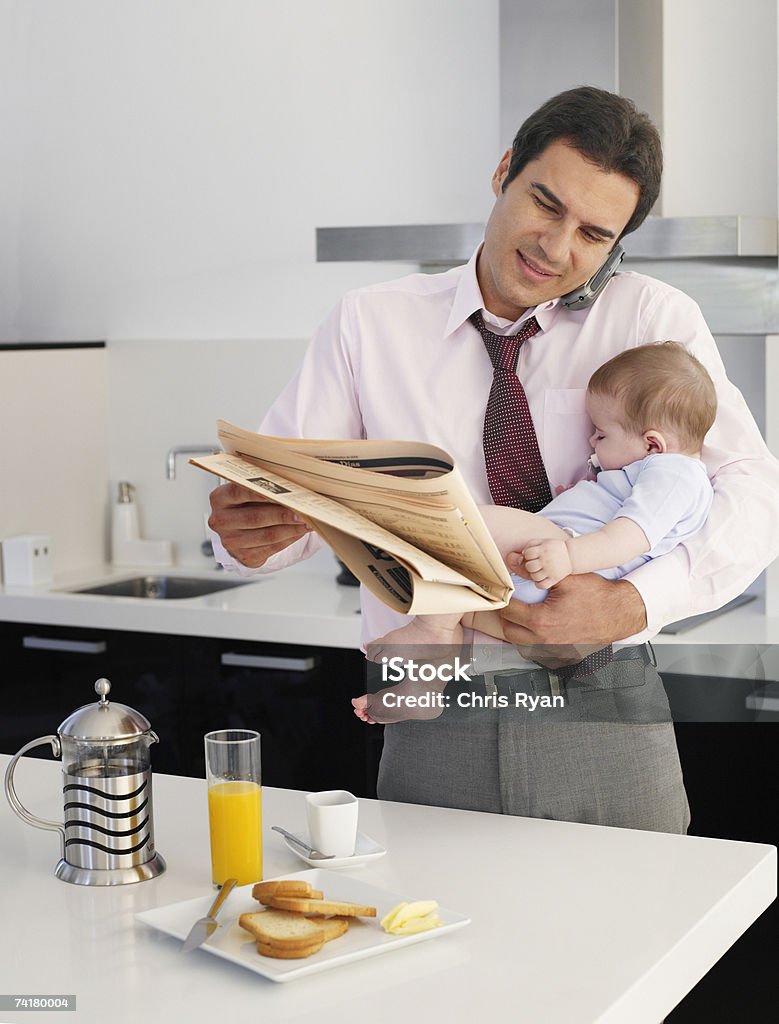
x=360, y=705
x=404, y=702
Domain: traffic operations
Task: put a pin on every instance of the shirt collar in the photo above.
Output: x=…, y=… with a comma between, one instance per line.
x=468, y=299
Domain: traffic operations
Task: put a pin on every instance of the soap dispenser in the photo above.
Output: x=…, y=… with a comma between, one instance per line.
x=124, y=526
x=127, y=545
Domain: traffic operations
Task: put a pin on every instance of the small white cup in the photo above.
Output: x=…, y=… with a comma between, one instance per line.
x=332, y=821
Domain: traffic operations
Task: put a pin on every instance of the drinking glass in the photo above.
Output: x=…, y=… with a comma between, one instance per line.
x=234, y=805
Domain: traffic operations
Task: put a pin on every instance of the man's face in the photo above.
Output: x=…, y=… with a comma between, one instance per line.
x=551, y=229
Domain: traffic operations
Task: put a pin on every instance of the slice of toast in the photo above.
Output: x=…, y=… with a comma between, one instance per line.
x=300, y=905
x=265, y=898
x=333, y=927
x=281, y=929
x=288, y=954
x=285, y=887
x=278, y=939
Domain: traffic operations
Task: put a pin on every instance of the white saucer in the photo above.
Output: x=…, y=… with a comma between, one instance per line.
x=365, y=849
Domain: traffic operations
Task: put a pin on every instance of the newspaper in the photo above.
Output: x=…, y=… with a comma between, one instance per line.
x=397, y=513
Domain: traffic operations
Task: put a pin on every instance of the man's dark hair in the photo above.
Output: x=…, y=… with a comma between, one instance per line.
x=606, y=129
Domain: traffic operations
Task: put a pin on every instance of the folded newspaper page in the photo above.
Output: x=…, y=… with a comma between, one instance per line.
x=397, y=513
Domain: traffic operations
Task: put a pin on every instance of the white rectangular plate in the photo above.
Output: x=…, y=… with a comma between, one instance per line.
x=365, y=936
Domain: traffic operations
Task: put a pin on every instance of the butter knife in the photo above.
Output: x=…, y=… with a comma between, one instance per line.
x=207, y=925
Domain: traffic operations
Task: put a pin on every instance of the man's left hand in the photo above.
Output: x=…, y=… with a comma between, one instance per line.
x=580, y=615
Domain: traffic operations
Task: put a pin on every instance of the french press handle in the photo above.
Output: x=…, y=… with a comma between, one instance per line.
x=14, y=800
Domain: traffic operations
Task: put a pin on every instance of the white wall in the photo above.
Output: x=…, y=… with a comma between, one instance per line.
x=166, y=394
x=167, y=161
x=54, y=456
x=720, y=107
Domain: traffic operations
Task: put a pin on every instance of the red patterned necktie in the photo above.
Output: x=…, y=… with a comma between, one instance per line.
x=515, y=470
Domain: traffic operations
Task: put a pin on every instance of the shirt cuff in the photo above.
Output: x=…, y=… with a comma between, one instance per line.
x=664, y=586
x=297, y=552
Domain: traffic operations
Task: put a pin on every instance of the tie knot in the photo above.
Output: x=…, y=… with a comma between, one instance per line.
x=503, y=349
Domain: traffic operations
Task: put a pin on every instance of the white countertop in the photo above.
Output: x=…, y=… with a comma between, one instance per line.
x=748, y=624
x=301, y=605
x=570, y=923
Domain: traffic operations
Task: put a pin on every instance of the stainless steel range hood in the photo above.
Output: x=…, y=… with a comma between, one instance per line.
x=658, y=238
x=727, y=264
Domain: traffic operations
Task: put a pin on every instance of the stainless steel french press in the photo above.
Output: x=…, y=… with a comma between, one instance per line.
x=108, y=830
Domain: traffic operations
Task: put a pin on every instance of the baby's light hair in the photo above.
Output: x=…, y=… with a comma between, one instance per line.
x=660, y=386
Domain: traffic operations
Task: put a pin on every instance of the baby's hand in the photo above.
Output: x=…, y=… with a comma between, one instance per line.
x=546, y=562
x=360, y=705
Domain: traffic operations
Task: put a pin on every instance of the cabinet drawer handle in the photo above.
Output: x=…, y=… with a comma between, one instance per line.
x=766, y=698
x=269, y=661
x=55, y=643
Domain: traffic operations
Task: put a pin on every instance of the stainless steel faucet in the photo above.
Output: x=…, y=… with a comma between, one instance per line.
x=185, y=449
x=170, y=472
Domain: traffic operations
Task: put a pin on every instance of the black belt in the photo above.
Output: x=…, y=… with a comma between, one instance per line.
x=600, y=659
x=587, y=666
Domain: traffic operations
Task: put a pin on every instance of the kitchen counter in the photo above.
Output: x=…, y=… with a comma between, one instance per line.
x=302, y=604
x=570, y=923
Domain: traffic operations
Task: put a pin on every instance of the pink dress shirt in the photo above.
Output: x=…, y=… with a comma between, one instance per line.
x=400, y=360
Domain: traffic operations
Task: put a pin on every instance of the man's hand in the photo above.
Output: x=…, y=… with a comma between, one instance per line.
x=252, y=530
x=546, y=562
x=580, y=615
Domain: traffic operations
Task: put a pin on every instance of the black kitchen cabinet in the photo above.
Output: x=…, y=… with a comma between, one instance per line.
x=298, y=698
x=733, y=790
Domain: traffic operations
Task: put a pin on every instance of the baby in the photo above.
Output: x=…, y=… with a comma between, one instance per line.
x=651, y=408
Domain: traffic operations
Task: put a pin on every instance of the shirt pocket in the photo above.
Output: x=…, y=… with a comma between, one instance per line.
x=567, y=429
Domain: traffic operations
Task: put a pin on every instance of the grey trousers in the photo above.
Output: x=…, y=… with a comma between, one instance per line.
x=608, y=757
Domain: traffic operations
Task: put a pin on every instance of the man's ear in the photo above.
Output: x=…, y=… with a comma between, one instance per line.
x=655, y=443
x=501, y=171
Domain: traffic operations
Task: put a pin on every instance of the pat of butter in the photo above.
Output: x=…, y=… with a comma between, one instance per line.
x=411, y=918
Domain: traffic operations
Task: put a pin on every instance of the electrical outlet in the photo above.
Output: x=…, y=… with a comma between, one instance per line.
x=27, y=560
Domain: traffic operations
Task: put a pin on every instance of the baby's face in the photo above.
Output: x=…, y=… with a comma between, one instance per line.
x=614, y=446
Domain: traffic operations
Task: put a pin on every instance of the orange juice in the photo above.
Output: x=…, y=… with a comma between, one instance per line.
x=235, y=820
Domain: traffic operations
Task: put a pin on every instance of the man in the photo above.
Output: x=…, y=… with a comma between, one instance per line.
x=409, y=359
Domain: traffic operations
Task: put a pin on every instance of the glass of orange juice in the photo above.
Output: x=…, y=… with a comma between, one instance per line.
x=234, y=805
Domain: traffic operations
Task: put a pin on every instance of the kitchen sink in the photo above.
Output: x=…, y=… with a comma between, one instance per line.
x=170, y=588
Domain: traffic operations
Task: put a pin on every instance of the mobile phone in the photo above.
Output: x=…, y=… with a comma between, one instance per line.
x=586, y=294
